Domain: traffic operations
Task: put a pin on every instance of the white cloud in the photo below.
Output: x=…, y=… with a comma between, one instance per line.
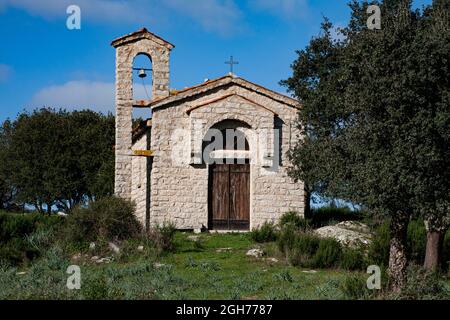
x=287, y=9
x=94, y=10
x=79, y=95
x=76, y=95
x=5, y=72
x=219, y=16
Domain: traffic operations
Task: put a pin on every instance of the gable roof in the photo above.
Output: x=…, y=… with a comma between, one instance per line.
x=140, y=34
x=229, y=79
x=226, y=97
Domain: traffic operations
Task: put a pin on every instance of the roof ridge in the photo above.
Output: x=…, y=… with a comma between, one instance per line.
x=237, y=80
x=144, y=30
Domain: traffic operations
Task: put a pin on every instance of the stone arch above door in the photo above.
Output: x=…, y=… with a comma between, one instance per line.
x=233, y=107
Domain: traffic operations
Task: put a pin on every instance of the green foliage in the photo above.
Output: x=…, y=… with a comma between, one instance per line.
x=95, y=288
x=303, y=250
x=416, y=241
x=307, y=250
x=24, y=237
x=162, y=237
x=446, y=251
x=287, y=238
x=423, y=285
x=376, y=130
x=284, y=275
x=379, y=247
x=107, y=219
x=352, y=259
x=265, y=233
x=328, y=254
x=354, y=287
x=293, y=218
x=56, y=158
x=6, y=186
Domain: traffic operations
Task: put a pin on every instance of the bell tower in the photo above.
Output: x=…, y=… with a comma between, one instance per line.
x=127, y=48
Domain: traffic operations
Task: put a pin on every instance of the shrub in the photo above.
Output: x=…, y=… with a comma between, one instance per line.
x=24, y=237
x=107, y=219
x=293, y=218
x=379, y=248
x=352, y=259
x=424, y=285
x=328, y=254
x=446, y=251
x=304, y=249
x=287, y=238
x=417, y=241
x=299, y=247
x=163, y=237
x=284, y=275
x=354, y=287
x=95, y=288
x=265, y=233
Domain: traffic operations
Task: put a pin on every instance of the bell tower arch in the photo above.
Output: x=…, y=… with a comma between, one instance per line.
x=127, y=48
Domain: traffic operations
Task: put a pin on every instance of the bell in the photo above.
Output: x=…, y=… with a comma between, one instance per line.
x=142, y=73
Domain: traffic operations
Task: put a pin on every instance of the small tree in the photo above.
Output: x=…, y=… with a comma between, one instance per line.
x=370, y=117
x=60, y=158
x=6, y=187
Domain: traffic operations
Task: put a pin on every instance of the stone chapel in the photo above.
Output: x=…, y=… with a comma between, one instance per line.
x=212, y=156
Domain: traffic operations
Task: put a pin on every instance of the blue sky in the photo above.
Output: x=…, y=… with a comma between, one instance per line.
x=42, y=63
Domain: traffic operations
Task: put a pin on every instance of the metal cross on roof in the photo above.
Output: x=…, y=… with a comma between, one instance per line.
x=231, y=63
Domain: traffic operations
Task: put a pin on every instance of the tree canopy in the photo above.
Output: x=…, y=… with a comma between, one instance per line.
x=58, y=158
x=376, y=114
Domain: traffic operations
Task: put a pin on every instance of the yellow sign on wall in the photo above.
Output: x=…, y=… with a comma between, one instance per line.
x=143, y=153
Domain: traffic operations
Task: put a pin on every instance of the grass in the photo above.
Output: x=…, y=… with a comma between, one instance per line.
x=214, y=266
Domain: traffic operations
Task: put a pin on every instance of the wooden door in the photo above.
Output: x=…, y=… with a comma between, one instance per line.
x=230, y=197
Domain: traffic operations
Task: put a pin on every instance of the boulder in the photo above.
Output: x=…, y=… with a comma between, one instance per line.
x=257, y=253
x=348, y=233
x=114, y=247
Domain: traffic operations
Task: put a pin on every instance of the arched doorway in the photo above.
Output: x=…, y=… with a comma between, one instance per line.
x=229, y=177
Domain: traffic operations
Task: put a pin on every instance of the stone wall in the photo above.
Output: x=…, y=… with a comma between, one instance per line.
x=126, y=51
x=179, y=189
x=140, y=194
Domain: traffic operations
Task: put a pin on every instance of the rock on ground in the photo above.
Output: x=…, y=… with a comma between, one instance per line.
x=257, y=253
x=114, y=247
x=348, y=233
x=224, y=250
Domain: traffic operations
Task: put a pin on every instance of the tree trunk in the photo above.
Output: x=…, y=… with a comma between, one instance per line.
x=49, y=208
x=307, y=213
x=433, y=254
x=397, y=255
